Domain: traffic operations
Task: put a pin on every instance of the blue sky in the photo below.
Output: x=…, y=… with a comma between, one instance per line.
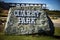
x=51, y=4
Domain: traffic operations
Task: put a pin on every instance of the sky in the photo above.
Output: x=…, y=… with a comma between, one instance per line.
x=51, y=4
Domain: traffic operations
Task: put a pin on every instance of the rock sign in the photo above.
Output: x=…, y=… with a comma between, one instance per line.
x=22, y=21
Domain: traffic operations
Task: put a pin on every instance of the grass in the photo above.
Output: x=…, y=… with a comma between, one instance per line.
x=27, y=38
x=31, y=37
x=57, y=31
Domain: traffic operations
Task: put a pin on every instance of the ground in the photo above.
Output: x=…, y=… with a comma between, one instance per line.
x=56, y=22
x=31, y=37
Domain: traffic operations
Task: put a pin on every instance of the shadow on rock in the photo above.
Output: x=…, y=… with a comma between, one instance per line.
x=56, y=36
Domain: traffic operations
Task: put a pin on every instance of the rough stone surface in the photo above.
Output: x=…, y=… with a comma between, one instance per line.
x=42, y=22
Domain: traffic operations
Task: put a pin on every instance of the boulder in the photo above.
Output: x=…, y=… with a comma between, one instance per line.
x=28, y=22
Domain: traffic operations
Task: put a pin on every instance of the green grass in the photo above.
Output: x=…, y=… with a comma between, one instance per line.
x=57, y=31
x=30, y=37
x=27, y=38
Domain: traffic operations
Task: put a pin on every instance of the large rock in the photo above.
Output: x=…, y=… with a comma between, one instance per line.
x=28, y=22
